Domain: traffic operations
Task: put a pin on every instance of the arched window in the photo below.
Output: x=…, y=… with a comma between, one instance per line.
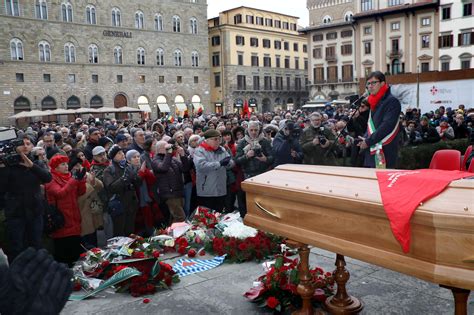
x=158, y=22
x=327, y=19
x=21, y=104
x=90, y=14
x=139, y=19
x=118, y=56
x=66, y=11
x=348, y=16
x=177, y=58
x=41, y=10
x=194, y=59
x=141, y=55
x=96, y=102
x=176, y=24
x=93, y=53
x=16, y=49
x=44, y=51
x=69, y=53
x=116, y=17
x=13, y=8
x=193, y=26
x=160, y=57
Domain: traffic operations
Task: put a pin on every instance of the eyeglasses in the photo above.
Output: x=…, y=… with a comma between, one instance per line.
x=372, y=83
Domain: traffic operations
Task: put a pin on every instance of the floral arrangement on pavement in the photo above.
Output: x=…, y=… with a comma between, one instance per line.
x=277, y=288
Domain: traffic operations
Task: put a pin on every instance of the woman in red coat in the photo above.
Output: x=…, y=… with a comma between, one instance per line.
x=63, y=192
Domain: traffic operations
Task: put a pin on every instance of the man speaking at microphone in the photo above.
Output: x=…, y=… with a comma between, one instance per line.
x=381, y=141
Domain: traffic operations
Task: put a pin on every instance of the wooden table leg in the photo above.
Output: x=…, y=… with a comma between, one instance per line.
x=460, y=299
x=341, y=302
x=305, y=288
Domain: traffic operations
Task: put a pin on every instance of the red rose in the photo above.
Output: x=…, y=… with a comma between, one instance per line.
x=168, y=281
x=146, y=301
x=182, y=250
x=105, y=263
x=156, y=254
x=138, y=255
x=272, y=302
x=191, y=253
x=95, y=250
x=202, y=252
x=77, y=286
x=83, y=255
x=242, y=246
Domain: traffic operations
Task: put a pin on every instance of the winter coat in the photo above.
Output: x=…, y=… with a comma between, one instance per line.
x=448, y=133
x=385, y=117
x=211, y=177
x=428, y=134
x=169, y=172
x=88, y=150
x=21, y=189
x=136, y=147
x=282, y=146
x=252, y=166
x=64, y=195
x=91, y=208
x=314, y=154
x=122, y=182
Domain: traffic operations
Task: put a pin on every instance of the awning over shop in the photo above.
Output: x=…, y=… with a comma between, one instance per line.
x=144, y=108
x=164, y=108
x=181, y=107
x=197, y=106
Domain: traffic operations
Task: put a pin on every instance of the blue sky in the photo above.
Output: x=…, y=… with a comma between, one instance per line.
x=293, y=7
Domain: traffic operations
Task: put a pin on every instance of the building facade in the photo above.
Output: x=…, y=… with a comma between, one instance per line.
x=70, y=54
x=396, y=36
x=257, y=57
x=331, y=42
x=456, y=35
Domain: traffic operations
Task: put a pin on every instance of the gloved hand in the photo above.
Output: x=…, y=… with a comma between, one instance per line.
x=79, y=174
x=34, y=284
x=225, y=161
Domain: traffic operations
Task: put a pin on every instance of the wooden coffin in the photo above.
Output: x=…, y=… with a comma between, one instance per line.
x=340, y=210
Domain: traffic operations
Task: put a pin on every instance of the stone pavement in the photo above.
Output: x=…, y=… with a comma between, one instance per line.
x=219, y=291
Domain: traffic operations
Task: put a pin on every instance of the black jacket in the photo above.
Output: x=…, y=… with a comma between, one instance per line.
x=385, y=117
x=169, y=173
x=88, y=150
x=21, y=189
x=282, y=146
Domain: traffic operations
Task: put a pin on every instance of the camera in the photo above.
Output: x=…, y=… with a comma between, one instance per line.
x=258, y=152
x=8, y=144
x=322, y=139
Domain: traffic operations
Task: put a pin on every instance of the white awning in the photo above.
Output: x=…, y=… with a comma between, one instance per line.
x=145, y=108
x=181, y=107
x=197, y=106
x=164, y=108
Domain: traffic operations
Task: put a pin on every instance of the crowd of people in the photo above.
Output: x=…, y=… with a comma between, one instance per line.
x=122, y=177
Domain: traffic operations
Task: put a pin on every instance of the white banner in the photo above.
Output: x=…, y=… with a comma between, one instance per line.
x=434, y=94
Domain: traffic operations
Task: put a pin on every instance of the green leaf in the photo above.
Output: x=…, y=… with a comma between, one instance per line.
x=294, y=276
x=156, y=269
x=279, y=262
x=278, y=308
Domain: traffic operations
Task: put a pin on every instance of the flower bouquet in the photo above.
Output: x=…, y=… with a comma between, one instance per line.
x=277, y=288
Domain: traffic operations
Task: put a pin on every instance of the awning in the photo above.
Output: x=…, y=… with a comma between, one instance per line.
x=145, y=108
x=181, y=107
x=164, y=108
x=197, y=106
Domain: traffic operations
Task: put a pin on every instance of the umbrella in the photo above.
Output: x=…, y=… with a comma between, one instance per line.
x=84, y=110
x=61, y=111
x=106, y=110
x=127, y=109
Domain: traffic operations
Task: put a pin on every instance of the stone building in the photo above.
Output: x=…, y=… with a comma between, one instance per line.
x=331, y=42
x=397, y=36
x=456, y=35
x=259, y=57
x=70, y=54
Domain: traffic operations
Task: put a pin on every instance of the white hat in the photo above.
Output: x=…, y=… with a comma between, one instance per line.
x=98, y=150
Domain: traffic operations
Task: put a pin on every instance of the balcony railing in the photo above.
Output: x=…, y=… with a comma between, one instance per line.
x=397, y=53
x=331, y=58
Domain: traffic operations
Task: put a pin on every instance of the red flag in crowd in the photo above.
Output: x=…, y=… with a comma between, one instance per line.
x=199, y=112
x=246, y=111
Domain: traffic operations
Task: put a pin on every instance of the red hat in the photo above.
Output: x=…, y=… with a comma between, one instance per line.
x=58, y=159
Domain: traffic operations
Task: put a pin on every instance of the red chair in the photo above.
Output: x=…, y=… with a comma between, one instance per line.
x=471, y=167
x=446, y=160
x=466, y=155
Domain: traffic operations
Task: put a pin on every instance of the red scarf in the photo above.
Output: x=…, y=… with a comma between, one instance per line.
x=63, y=178
x=106, y=163
x=207, y=147
x=375, y=99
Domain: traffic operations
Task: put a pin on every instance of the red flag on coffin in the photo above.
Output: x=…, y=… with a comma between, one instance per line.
x=403, y=191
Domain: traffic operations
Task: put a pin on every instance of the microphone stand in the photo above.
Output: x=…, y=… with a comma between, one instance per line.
x=344, y=132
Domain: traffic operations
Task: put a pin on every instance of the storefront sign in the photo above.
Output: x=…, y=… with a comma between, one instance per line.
x=117, y=34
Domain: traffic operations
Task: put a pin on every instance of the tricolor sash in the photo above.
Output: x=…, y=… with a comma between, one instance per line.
x=377, y=149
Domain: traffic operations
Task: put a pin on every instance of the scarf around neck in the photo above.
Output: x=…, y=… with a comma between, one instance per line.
x=207, y=147
x=63, y=178
x=374, y=100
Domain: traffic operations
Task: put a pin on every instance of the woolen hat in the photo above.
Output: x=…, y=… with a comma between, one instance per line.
x=113, y=151
x=104, y=140
x=92, y=130
x=73, y=161
x=211, y=133
x=98, y=150
x=58, y=159
x=130, y=154
x=120, y=137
